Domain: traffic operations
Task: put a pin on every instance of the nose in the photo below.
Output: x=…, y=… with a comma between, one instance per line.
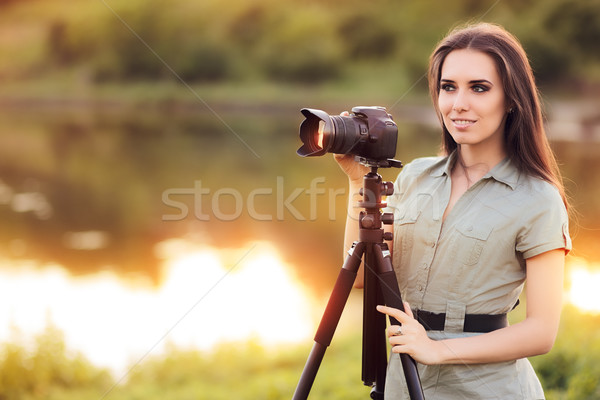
x=460, y=102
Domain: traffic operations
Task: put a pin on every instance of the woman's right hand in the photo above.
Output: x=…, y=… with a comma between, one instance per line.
x=353, y=169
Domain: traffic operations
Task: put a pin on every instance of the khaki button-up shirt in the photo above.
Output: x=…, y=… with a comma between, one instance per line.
x=473, y=262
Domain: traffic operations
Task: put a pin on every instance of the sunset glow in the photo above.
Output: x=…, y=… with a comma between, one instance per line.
x=584, y=290
x=207, y=296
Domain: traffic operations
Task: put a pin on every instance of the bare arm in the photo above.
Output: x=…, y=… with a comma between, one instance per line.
x=532, y=336
x=355, y=173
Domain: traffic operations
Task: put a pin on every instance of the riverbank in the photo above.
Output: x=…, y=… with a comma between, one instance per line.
x=569, y=117
x=49, y=370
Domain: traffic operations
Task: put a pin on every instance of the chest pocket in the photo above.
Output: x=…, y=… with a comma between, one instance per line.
x=470, y=241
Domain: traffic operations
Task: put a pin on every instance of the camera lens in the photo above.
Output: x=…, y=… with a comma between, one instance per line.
x=368, y=132
x=322, y=133
x=320, y=138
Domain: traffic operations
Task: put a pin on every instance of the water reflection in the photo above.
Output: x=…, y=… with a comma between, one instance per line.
x=206, y=296
x=584, y=282
x=86, y=240
x=86, y=189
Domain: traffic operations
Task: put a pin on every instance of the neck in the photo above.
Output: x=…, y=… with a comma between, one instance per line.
x=488, y=158
x=474, y=165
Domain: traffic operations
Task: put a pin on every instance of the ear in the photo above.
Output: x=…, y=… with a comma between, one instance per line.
x=511, y=106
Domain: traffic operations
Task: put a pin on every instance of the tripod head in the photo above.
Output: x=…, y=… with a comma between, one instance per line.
x=371, y=219
x=386, y=163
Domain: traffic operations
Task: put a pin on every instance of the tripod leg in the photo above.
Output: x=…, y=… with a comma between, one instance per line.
x=374, y=362
x=331, y=317
x=392, y=297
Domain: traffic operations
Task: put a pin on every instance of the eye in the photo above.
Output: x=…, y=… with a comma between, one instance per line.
x=447, y=87
x=480, y=88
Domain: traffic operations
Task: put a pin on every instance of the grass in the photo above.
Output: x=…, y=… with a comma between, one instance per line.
x=48, y=370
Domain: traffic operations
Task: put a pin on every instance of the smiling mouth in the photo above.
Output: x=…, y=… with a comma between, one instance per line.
x=461, y=122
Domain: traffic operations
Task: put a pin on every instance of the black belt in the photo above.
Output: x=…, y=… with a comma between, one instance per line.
x=473, y=322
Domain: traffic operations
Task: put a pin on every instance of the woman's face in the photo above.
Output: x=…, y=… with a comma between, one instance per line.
x=471, y=99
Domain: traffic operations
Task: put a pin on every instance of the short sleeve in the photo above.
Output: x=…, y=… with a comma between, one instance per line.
x=544, y=223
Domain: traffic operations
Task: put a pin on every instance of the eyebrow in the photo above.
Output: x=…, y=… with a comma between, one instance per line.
x=474, y=81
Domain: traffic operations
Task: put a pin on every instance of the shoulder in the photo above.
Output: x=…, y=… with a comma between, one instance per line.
x=424, y=164
x=539, y=203
x=543, y=222
x=417, y=171
x=538, y=191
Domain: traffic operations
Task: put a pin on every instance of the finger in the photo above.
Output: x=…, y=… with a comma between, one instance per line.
x=398, y=341
x=394, y=330
x=400, y=347
x=407, y=309
x=393, y=312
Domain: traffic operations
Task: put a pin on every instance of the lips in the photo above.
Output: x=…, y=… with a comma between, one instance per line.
x=462, y=123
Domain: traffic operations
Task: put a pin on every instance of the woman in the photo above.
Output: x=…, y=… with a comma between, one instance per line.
x=472, y=225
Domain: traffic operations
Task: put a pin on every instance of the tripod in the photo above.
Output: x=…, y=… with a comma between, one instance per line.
x=380, y=287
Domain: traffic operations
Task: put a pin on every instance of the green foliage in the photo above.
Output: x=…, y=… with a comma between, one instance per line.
x=576, y=23
x=303, y=49
x=280, y=41
x=366, y=37
x=561, y=39
x=46, y=370
x=249, y=371
x=571, y=370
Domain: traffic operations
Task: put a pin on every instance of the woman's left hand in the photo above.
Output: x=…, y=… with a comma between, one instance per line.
x=413, y=340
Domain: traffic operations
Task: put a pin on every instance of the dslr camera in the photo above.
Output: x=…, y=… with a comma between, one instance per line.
x=368, y=133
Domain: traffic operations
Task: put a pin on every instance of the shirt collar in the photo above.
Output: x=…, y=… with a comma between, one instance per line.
x=443, y=166
x=505, y=171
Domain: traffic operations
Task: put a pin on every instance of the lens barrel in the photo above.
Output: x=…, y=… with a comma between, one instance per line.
x=368, y=132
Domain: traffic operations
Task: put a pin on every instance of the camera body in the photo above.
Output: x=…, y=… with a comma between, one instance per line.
x=368, y=132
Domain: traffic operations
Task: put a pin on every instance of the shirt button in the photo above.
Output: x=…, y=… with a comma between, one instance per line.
x=470, y=228
x=420, y=288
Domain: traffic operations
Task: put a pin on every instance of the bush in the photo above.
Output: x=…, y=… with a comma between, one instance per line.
x=571, y=368
x=46, y=369
x=73, y=41
x=548, y=59
x=576, y=25
x=367, y=36
x=584, y=385
x=247, y=370
x=203, y=60
x=303, y=49
x=312, y=43
x=249, y=27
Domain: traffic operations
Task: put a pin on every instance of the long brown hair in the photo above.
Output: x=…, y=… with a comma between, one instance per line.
x=524, y=135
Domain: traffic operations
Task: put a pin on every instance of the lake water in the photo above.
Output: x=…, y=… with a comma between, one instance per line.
x=143, y=226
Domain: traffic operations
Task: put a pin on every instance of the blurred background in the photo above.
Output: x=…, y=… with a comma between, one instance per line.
x=160, y=238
